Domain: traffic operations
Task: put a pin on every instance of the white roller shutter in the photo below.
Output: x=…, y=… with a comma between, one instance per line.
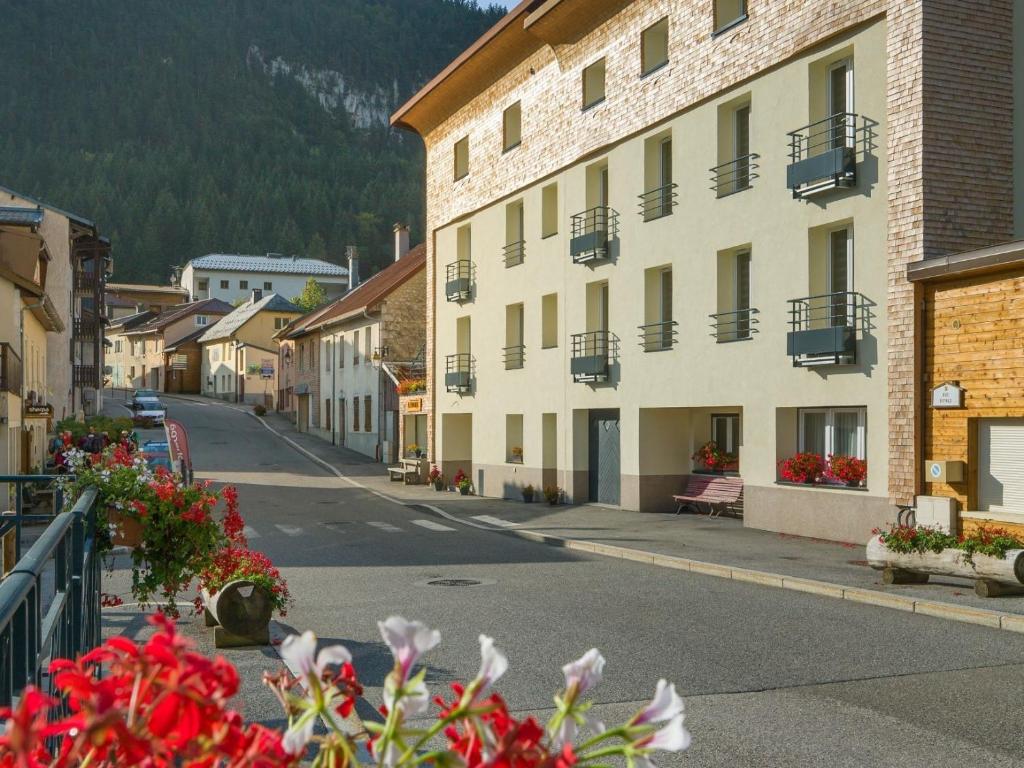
x=1001, y=465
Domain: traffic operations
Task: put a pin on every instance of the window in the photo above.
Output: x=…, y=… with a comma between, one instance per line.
x=327, y=414
x=117, y=345
x=514, y=237
x=514, y=348
x=549, y=210
x=280, y=322
x=268, y=286
x=243, y=284
x=741, y=144
x=549, y=321
x=368, y=421
x=327, y=356
x=131, y=372
x=658, y=331
x=728, y=13
x=654, y=47
x=215, y=353
x=355, y=414
x=355, y=351
x=836, y=431
x=224, y=284
x=202, y=320
x=735, y=319
x=514, y=438
x=725, y=431
x=203, y=284
x=512, y=127
x=593, y=84
x=302, y=355
x=341, y=351
x=461, y=157
x=659, y=191
x=367, y=348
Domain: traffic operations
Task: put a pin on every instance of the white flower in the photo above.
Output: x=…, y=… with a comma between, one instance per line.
x=584, y=673
x=672, y=737
x=665, y=705
x=298, y=735
x=299, y=651
x=408, y=641
x=493, y=663
x=415, y=698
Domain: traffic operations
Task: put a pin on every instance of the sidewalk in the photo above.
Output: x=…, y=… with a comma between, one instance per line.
x=720, y=547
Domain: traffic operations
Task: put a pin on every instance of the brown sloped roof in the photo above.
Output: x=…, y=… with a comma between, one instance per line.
x=178, y=311
x=368, y=295
x=302, y=325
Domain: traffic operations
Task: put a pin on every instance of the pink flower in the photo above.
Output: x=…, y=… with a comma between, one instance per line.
x=665, y=705
x=408, y=640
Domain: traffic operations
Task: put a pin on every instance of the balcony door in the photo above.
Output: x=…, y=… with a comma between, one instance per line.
x=741, y=146
x=840, y=102
x=840, y=275
x=742, y=295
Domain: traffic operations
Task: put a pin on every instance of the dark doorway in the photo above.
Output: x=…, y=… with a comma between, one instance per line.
x=604, y=463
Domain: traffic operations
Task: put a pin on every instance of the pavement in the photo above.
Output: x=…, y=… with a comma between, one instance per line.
x=771, y=677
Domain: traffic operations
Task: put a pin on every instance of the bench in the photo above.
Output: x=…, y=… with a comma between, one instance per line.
x=402, y=472
x=716, y=491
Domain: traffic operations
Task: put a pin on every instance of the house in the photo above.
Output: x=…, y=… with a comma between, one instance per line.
x=232, y=277
x=662, y=232
x=149, y=344
x=299, y=367
x=239, y=351
x=134, y=297
x=124, y=357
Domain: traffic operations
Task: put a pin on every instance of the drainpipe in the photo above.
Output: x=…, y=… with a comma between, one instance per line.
x=380, y=401
x=334, y=387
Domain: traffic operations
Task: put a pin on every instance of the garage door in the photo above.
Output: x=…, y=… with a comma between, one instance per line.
x=1001, y=465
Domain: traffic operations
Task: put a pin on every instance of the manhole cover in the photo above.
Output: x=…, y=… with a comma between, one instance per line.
x=454, y=583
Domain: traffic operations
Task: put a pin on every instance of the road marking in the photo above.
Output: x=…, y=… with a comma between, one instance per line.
x=291, y=530
x=250, y=532
x=386, y=527
x=490, y=520
x=431, y=525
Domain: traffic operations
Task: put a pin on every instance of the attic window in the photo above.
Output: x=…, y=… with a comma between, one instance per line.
x=729, y=13
x=593, y=84
x=461, y=158
x=654, y=47
x=512, y=127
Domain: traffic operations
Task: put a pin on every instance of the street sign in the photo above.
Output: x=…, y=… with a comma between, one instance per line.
x=948, y=396
x=267, y=369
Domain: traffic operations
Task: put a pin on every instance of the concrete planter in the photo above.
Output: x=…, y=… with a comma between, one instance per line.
x=239, y=613
x=993, y=576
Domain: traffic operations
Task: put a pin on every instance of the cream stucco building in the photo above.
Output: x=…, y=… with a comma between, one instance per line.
x=655, y=224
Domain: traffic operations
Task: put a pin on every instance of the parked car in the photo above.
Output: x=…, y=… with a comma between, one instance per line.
x=148, y=412
x=144, y=394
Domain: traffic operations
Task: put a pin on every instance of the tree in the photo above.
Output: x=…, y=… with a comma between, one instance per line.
x=312, y=296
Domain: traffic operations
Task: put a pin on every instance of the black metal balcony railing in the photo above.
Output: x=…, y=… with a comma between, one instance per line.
x=86, y=376
x=87, y=281
x=11, y=377
x=735, y=175
x=589, y=361
x=513, y=356
x=655, y=337
x=514, y=253
x=823, y=329
x=458, y=276
x=86, y=328
x=591, y=232
x=823, y=155
x=734, y=325
x=458, y=371
x=658, y=202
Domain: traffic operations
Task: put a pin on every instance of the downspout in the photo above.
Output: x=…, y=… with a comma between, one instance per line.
x=334, y=387
x=380, y=410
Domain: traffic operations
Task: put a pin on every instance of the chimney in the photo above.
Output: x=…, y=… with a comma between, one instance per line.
x=353, y=266
x=401, y=240
x=257, y=295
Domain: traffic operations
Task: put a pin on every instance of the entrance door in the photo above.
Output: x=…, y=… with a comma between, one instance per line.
x=604, y=457
x=341, y=421
x=1001, y=465
x=302, y=417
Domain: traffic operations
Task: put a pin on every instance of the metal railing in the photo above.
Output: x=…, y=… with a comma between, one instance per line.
x=591, y=231
x=50, y=602
x=826, y=310
x=11, y=377
x=458, y=371
x=458, y=275
x=86, y=328
x=513, y=356
x=87, y=281
x=514, y=253
x=28, y=494
x=833, y=132
x=735, y=175
x=590, y=351
x=658, y=202
x=86, y=376
x=734, y=325
x=655, y=337
x=823, y=328
x=823, y=154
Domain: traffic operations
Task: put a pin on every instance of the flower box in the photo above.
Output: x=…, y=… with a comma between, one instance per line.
x=125, y=528
x=240, y=614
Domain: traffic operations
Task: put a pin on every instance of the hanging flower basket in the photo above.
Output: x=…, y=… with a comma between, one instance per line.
x=125, y=528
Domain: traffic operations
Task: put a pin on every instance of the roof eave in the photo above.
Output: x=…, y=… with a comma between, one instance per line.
x=992, y=258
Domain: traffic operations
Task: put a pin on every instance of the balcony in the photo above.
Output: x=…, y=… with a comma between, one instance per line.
x=823, y=329
x=458, y=371
x=87, y=281
x=656, y=337
x=514, y=253
x=513, y=356
x=591, y=232
x=735, y=175
x=10, y=370
x=823, y=155
x=658, y=203
x=589, y=361
x=458, y=278
x=734, y=325
x=86, y=376
x=86, y=328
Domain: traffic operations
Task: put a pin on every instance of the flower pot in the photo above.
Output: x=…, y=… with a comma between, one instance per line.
x=993, y=575
x=240, y=614
x=528, y=498
x=464, y=490
x=438, y=485
x=126, y=530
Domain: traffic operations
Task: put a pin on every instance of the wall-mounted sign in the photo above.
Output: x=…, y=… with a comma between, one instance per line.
x=267, y=369
x=179, y=362
x=414, y=405
x=39, y=411
x=948, y=396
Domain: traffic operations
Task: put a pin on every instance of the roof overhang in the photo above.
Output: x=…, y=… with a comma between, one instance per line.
x=994, y=258
x=45, y=311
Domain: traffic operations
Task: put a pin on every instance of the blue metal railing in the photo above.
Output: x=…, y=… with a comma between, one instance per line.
x=25, y=488
x=50, y=601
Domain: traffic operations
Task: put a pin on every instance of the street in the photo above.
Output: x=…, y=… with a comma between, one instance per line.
x=770, y=677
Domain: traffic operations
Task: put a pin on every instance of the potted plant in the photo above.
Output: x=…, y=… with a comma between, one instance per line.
x=802, y=468
x=239, y=592
x=462, y=482
x=552, y=494
x=848, y=470
x=412, y=451
x=715, y=459
x=517, y=454
x=528, y=494
x=259, y=409
x=436, y=478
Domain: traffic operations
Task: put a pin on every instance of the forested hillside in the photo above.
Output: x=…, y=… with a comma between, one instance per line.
x=247, y=126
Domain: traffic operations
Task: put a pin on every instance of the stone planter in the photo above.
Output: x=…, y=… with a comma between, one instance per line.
x=993, y=576
x=239, y=613
x=126, y=529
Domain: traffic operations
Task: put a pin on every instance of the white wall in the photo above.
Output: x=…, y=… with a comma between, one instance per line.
x=351, y=381
x=286, y=285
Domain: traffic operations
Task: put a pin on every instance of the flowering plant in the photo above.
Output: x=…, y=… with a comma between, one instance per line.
x=408, y=386
x=435, y=474
x=919, y=539
x=802, y=468
x=236, y=561
x=412, y=448
x=552, y=494
x=460, y=476
x=161, y=704
x=846, y=469
x=712, y=457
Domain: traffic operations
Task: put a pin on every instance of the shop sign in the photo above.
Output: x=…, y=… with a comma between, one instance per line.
x=39, y=411
x=414, y=405
x=948, y=396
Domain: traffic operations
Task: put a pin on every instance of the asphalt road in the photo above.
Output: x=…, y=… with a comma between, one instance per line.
x=770, y=677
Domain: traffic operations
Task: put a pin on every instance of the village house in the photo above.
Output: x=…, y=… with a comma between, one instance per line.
x=128, y=298
x=232, y=277
x=123, y=358
x=299, y=366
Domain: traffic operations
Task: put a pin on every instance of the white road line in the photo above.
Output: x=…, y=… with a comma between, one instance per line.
x=290, y=530
x=431, y=525
x=386, y=527
x=250, y=532
x=490, y=520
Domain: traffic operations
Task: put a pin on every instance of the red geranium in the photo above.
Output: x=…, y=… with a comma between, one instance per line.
x=802, y=468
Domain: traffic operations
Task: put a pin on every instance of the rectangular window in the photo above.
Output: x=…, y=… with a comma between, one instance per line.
x=280, y=322
x=658, y=331
x=654, y=47
x=368, y=421
x=341, y=351
x=514, y=348
x=840, y=275
x=327, y=354
x=514, y=237
x=549, y=210
x=512, y=126
x=549, y=321
x=728, y=13
x=736, y=318
x=368, y=346
x=461, y=157
x=268, y=286
x=224, y=284
x=355, y=349
x=243, y=284
x=514, y=438
x=302, y=356
x=659, y=192
x=725, y=431
x=741, y=140
x=327, y=413
x=355, y=414
x=203, y=284
x=593, y=84
x=835, y=431
x=202, y=320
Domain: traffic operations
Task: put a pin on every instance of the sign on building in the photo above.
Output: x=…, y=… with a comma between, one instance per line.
x=267, y=369
x=179, y=362
x=948, y=396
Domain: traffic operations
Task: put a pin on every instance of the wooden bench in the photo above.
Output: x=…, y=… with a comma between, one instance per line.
x=409, y=470
x=717, y=491
x=403, y=472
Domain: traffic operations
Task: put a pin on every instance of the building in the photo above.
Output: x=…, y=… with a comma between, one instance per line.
x=655, y=224
x=128, y=298
x=153, y=350
x=239, y=351
x=233, y=277
x=299, y=366
x=123, y=357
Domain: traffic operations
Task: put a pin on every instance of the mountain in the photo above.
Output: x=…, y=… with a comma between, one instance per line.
x=184, y=127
